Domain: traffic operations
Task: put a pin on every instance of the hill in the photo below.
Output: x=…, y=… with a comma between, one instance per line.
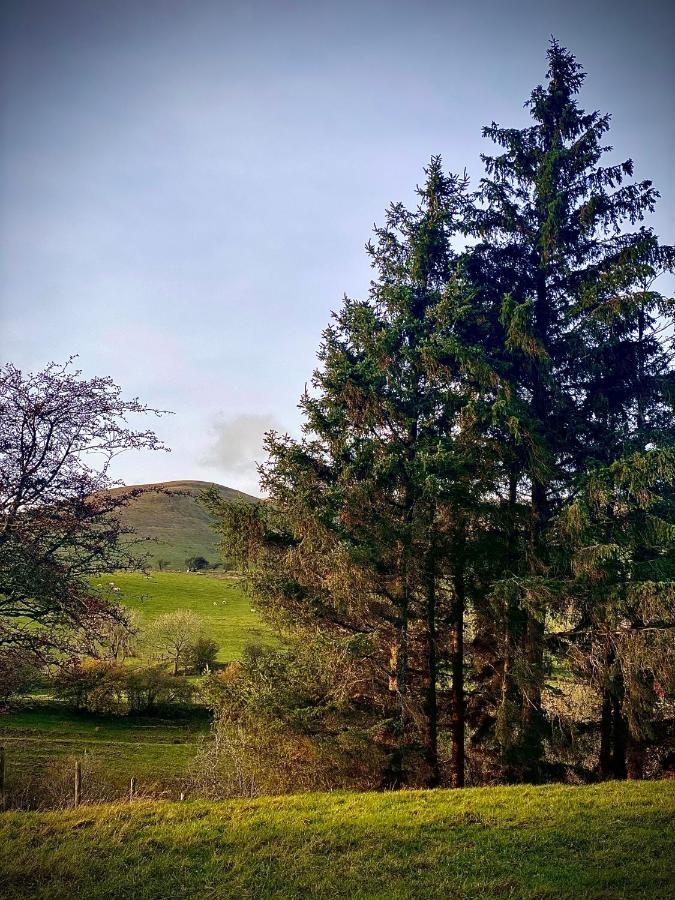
x=607, y=841
x=174, y=522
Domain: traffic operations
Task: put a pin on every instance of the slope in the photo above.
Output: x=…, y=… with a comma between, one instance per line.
x=173, y=522
x=607, y=841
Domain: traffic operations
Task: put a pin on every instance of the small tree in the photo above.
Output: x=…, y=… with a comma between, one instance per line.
x=202, y=654
x=92, y=685
x=162, y=564
x=20, y=669
x=59, y=433
x=196, y=563
x=119, y=639
x=173, y=636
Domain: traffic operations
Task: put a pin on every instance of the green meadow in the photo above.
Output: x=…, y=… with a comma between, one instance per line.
x=43, y=738
x=228, y=614
x=607, y=841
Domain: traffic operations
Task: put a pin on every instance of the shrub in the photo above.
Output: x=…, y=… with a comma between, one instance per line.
x=92, y=685
x=287, y=720
x=201, y=654
x=151, y=688
x=20, y=670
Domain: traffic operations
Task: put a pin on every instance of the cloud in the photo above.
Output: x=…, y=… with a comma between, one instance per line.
x=237, y=443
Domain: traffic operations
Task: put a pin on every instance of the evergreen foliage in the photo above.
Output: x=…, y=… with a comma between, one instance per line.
x=484, y=488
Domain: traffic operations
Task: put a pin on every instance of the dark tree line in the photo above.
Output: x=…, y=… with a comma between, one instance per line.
x=484, y=493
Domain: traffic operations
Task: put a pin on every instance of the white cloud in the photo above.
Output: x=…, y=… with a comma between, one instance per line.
x=237, y=445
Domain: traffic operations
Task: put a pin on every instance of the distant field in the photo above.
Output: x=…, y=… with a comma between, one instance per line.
x=608, y=842
x=47, y=738
x=231, y=620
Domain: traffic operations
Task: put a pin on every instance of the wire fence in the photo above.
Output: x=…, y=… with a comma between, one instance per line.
x=72, y=781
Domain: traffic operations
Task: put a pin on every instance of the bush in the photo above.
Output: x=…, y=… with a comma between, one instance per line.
x=97, y=686
x=20, y=670
x=91, y=685
x=151, y=688
x=286, y=721
x=201, y=655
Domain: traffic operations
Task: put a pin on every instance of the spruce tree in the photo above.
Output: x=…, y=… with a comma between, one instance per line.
x=571, y=323
x=375, y=504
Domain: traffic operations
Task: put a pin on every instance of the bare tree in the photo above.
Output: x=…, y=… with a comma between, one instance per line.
x=173, y=636
x=59, y=433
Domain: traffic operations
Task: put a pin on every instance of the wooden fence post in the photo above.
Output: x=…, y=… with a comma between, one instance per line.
x=78, y=783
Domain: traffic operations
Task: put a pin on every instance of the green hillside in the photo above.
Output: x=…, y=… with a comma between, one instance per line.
x=229, y=617
x=608, y=841
x=43, y=738
x=174, y=522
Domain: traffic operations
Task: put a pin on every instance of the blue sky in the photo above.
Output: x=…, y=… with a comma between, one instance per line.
x=186, y=188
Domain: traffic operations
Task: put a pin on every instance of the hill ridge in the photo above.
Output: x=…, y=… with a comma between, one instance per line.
x=173, y=521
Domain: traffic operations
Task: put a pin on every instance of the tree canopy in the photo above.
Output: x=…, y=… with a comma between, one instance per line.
x=484, y=487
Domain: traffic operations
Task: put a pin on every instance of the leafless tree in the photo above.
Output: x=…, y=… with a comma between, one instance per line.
x=59, y=434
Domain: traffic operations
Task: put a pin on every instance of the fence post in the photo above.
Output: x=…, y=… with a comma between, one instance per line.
x=2, y=778
x=78, y=783
x=132, y=789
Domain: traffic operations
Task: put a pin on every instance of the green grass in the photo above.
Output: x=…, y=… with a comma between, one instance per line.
x=156, y=751
x=43, y=740
x=608, y=841
x=220, y=600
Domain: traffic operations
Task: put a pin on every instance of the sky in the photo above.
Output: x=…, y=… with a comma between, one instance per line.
x=186, y=188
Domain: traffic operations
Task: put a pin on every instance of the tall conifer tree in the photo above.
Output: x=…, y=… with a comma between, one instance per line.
x=563, y=283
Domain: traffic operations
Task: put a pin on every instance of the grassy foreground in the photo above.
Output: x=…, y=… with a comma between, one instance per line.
x=608, y=841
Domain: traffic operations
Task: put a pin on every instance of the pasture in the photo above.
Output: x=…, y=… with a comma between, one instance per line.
x=43, y=738
x=607, y=841
x=43, y=741
x=228, y=614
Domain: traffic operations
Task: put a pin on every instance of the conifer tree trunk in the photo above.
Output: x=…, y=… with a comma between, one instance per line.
x=532, y=714
x=457, y=699
x=511, y=697
x=634, y=758
x=431, y=699
x=619, y=767
x=394, y=776
x=606, y=720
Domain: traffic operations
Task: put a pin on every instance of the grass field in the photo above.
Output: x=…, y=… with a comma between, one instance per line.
x=230, y=619
x=44, y=739
x=609, y=841
x=42, y=743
